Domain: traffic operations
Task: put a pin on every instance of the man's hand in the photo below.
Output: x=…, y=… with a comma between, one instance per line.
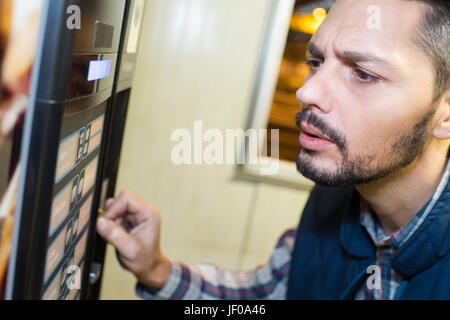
x=133, y=227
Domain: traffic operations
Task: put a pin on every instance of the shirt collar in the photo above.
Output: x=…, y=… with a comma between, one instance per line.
x=370, y=222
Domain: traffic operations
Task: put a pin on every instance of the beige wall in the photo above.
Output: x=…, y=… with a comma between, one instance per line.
x=198, y=61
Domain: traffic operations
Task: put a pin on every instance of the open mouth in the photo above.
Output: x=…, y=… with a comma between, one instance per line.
x=312, y=139
x=313, y=135
x=313, y=132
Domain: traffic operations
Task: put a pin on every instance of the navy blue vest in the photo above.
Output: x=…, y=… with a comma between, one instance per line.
x=333, y=251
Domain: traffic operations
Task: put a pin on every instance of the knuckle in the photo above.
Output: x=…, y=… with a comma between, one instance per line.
x=125, y=194
x=153, y=210
x=157, y=217
x=154, y=215
x=129, y=194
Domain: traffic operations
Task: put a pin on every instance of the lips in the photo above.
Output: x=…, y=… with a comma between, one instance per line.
x=313, y=132
x=312, y=139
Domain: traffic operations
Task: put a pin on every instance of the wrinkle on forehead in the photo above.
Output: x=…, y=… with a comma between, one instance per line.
x=398, y=19
x=345, y=29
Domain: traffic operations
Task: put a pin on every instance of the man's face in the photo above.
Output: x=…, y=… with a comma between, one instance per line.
x=368, y=93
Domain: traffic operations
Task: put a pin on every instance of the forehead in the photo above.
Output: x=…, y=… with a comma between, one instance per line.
x=379, y=26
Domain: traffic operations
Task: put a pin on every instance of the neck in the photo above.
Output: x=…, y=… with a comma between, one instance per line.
x=398, y=197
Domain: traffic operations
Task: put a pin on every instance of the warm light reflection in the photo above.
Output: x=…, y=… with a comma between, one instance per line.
x=319, y=14
x=308, y=23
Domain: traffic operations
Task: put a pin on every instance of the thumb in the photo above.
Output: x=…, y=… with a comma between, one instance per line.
x=116, y=235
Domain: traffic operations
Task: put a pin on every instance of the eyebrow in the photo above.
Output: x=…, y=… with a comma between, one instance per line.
x=314, y=50
x=350, y=56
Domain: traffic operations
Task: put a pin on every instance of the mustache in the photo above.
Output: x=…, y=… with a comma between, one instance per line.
x=310, y=118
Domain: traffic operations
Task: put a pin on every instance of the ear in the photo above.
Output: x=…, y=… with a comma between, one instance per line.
x=442, y=127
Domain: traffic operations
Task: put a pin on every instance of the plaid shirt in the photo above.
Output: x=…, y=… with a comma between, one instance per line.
x=269, y=281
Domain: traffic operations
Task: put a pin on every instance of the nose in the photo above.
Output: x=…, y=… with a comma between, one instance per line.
x=315, y=92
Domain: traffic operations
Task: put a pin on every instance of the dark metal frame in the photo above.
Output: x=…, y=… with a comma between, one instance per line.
x=51, y=79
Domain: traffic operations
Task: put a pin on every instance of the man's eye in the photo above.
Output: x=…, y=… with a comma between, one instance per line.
x=364, y=77
x=313, y=64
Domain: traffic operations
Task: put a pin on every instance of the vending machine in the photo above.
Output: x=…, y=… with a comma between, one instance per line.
x=117, y=114
x=59, y=164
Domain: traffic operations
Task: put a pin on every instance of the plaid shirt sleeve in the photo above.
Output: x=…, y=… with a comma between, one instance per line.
x=206, y=281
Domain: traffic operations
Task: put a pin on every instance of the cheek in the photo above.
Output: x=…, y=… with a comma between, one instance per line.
x=369, y=133
x=373, y=117
x=365, y=142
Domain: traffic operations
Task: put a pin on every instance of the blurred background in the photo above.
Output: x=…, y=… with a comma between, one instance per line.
x=231, y=64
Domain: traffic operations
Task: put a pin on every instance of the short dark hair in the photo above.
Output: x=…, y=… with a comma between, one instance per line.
x=433, y=38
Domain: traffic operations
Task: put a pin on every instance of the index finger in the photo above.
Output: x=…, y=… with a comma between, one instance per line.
x=125, y=203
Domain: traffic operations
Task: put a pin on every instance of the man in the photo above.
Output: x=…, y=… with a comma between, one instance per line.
x=375, y=135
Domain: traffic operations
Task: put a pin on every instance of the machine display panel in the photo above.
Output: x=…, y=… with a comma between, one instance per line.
x=72, y=204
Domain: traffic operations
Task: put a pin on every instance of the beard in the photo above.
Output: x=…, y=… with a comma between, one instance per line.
x=361, y=169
